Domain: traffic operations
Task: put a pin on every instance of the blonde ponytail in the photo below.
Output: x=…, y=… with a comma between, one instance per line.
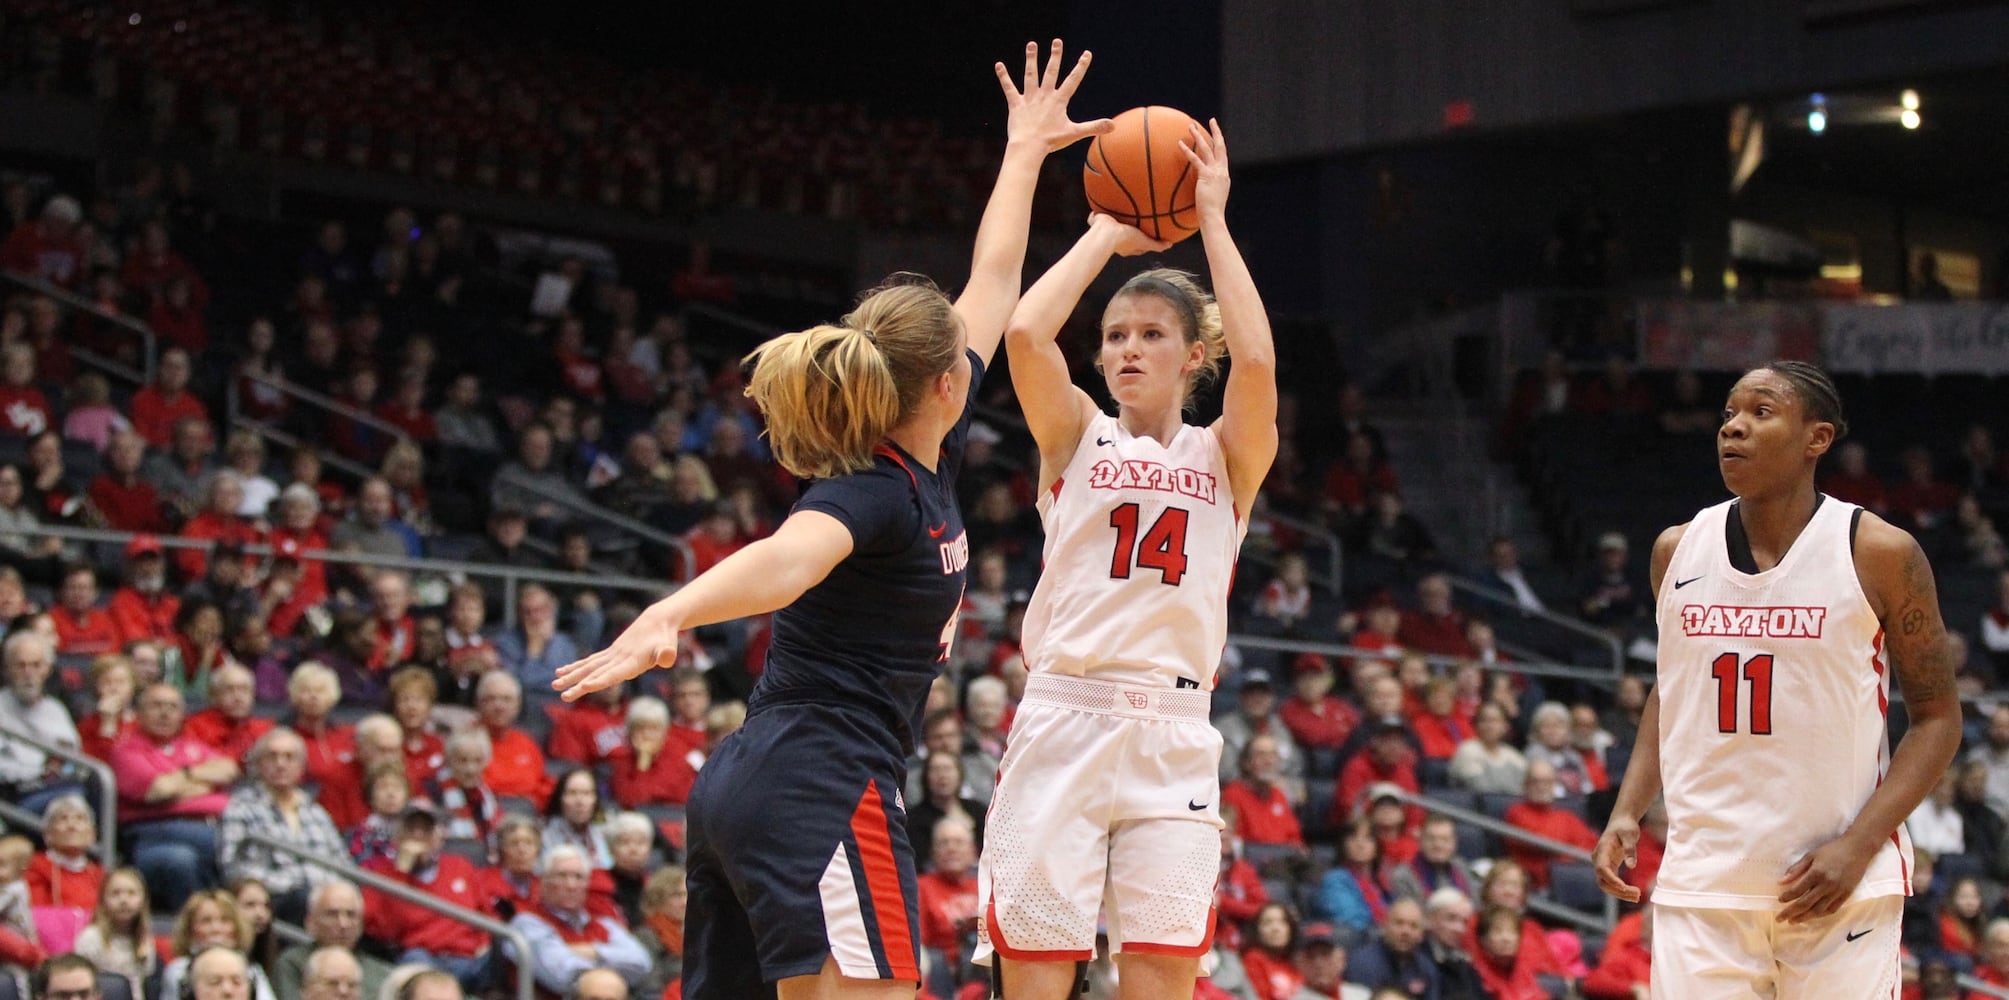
x=832, y=393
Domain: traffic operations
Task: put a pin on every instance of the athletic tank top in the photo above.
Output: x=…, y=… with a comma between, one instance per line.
x=1140, y=549
x=1774, y=689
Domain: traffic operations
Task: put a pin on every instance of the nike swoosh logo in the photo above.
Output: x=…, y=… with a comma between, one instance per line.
x=1858, y=934
x=1195, y=806
x=936, y=531
x=1678, y=584
x=1103, y=442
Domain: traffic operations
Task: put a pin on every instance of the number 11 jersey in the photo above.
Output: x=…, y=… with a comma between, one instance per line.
x=1141, y=540
x=1774, y=691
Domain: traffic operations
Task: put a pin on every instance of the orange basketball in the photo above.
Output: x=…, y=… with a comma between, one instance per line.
x=1138, y=174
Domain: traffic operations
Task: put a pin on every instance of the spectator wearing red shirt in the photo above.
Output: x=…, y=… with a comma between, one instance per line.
x=379, y=744
x=1505, y=971
x=1922, y=500
x=126, y=500
x=1387, y=758
x=154, y=265
x=1394, y=833
x=1264, y=812
x=113, y=717
x=1361, y=474
x=1538, y=813
x=219, y=523
x=144, y=608
x=472, y=810
x=300, y=525
x=177, y=318
x=577, y=371
x=413, y=694
x=313, y=691
x=62, y=873
x=1379, y=624
x=649, y=769
x=406, y=409
x=511, y=883
x=83, y=628
x=423, y=863
x=1314, y=716
x=156, y=407
x=47, y=248
x=590, y=729
x=1441, y=726
x=1267, y=962
x=391, y=626
x=947, y=891
x=517, y=770
x=1435, y=626
x=1851, y=480
x=1239, y=895
x=714, y=538
x=227, y=725
x=24, y=410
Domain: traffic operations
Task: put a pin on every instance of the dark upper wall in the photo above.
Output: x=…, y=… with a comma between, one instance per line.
x=1307, y=79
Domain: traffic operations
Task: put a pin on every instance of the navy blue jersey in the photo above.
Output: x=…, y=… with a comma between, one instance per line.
x=872, y=635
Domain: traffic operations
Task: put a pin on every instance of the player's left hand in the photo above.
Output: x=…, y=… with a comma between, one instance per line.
x=1820, y=882
x=1038, y=113
x=1208, y=150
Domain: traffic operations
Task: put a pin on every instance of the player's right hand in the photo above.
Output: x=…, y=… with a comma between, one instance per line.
x=1618, y=846
x=651, y=641
x=1130, y=240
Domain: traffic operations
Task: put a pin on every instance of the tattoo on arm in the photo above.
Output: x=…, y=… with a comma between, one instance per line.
x=1922, y=655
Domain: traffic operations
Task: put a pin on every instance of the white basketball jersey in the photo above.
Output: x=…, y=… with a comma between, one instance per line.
x=1774, y=689
x=1141, y=540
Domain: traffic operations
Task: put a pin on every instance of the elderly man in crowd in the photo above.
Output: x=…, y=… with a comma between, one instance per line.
x=171, y=789
x=64, y=977
x=332, y=973
x=275, y=805
x=565, y=940
x=335, y=922
x=227, y=725
x=219, y=974
x=31, y=778
x=515, y=764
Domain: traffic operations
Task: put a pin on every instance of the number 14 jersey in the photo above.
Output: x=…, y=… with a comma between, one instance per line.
x=1774, y=688
x=1140, y=549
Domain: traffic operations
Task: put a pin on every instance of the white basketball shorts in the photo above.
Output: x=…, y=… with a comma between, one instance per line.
x=1107, y=806
x=1719, y=954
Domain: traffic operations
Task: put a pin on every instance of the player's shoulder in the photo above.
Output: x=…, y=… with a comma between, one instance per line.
x=1888, y=559
x=1879, y=540
x=1664, y=547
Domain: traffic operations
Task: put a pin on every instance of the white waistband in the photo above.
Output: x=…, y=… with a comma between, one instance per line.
x=1084, y=694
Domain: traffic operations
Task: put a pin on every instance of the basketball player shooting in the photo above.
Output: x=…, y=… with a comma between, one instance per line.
x=1782, y=613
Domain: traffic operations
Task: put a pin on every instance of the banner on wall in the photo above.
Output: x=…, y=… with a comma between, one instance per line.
x=1963, y=338
x=1725, y=336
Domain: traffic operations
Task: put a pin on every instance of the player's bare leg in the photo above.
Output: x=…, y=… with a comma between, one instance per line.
x=1148, y=977
x=1041, y=980
x=830, y=984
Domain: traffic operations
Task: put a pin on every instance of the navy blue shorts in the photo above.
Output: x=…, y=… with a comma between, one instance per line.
x=797, y=851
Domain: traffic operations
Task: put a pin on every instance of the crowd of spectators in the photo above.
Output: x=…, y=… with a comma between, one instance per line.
x=250, y=677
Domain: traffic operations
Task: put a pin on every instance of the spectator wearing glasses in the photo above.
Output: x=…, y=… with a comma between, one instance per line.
x=64, y=977
x=565, y=939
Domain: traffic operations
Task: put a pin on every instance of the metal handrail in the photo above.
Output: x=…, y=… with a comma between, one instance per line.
x=149, y=340
x=1974, y=985
x=525, y=986
x=510, y=575
x=1335, y=566
x=108, y=788
x=1565, y=622
x=326, y=402
x=1534, y=667
x=612, y=518
x=1515, y=833
x=291, y=443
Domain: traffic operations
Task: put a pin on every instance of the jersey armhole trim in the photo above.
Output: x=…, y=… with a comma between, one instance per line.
x=1855, y=522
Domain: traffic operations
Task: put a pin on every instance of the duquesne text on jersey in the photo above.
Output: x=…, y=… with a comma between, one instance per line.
x=955, y=554
x=1753, y=622
x=1141, y=474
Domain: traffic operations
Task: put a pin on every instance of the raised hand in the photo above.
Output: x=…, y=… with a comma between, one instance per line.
x=648, y=643
x=1129, y=240
x=1209, y=152
x=1038, y=113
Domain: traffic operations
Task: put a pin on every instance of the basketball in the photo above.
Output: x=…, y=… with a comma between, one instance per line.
x=1138, y=174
